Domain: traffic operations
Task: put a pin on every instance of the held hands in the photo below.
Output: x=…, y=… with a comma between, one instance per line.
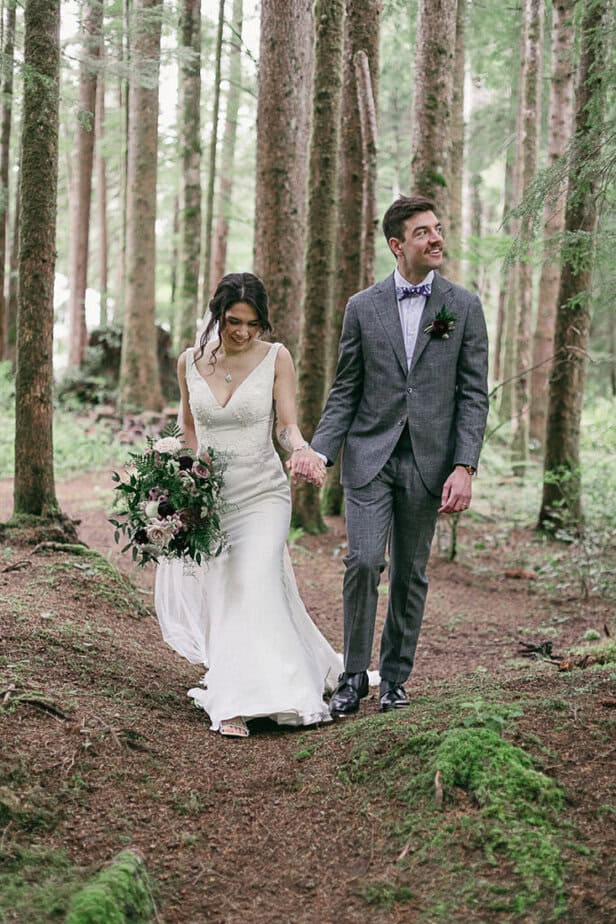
x=456, y=495
x=306, y=465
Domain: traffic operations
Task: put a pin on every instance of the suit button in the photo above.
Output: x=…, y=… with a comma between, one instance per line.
x=409, y=391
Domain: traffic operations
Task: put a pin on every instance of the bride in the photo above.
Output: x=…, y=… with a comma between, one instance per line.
x=240, y=614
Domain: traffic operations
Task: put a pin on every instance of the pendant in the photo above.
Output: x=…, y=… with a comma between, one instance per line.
x=228, y=378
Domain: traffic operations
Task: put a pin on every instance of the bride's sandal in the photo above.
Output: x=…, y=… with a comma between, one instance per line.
x=234, y=728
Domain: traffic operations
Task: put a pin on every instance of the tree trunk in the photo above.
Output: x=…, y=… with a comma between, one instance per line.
x=505, y=269
x=34, y=489
x=321, y=238
x=123, y=91
x=8, y=54
x=367, y=121
x=559, y=131
x=91, y=38
x=101, y=199
x=189, y=246
x=173, y=270
x=454, y=231
x=507, y=408
x=362, y=24
x=561, y=504
x=611, y=322
x=285, y=63
x=530, y=129
x=139, y=377
x=432, y=102
x=13, y=297
x=475, y=228
x=225, y=180
x=211, y=179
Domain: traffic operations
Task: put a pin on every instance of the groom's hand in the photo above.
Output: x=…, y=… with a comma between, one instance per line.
x=306, y=465
x=457, y=490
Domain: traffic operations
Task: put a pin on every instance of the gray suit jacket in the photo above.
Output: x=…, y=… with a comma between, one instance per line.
x=442, y=398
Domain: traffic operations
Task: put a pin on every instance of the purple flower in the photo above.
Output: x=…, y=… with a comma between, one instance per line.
x=165, y=508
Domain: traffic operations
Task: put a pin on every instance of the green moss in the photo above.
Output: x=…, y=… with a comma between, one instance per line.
x=468, y=800
x=36, y=884
x=518, y=804
x=120, y=893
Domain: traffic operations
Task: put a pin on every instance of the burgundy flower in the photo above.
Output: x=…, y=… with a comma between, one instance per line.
x=185, y=462
x=165, y=509
x=140, y=537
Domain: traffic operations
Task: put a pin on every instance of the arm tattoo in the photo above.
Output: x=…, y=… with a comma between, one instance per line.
x=284, y=439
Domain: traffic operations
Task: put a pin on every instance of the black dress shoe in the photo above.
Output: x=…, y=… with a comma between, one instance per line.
x=392, y=696
x=345, y=698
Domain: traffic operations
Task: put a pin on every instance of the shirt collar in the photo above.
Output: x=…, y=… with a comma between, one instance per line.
x=399, y=279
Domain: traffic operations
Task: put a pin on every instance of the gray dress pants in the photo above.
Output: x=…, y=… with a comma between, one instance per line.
x=394, y=507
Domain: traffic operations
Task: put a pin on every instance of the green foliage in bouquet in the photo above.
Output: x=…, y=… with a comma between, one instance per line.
x=171, y=505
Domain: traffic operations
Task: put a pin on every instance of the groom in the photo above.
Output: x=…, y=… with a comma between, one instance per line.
x=409, y=402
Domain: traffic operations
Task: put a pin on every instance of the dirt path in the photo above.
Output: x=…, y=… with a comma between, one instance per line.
x=241, y=831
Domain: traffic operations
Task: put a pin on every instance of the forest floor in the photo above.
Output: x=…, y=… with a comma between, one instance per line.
x=101, y=749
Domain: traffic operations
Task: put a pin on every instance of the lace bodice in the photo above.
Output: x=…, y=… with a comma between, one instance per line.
x=243, y=427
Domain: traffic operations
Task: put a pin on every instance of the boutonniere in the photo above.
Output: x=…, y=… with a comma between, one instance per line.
x=442, y=325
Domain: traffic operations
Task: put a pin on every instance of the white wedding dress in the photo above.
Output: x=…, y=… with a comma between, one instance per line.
x=240, y=614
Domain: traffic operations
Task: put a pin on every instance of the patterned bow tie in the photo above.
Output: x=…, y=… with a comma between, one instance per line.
x=413, y=291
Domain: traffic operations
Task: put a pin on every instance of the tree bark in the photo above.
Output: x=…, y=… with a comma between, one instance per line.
x=283, y=110
x=475, y=183
x=12, y=302
x=321, y=238
x=530, y=129
x=432, y=102
x=505, y=269
x=507, y=407
x=561, y=504
x=187, y=295
x=123, y=92
x=8, y=54
x=101, y=199
x=367, y=121
x=559, y=132
x=91, y=39
x=139, y=376
x=362, y=26
x=454, y=230
x=211, y=179
x=34, y=488
x=227, y=159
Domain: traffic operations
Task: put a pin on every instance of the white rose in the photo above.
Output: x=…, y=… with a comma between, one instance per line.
x=159, y=533
x=151, y=510
x=169, y=444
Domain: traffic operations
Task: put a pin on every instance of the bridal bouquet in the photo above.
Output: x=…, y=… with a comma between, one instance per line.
x=170, y=506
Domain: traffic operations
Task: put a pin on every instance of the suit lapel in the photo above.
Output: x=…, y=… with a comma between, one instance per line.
x=440, y=295
x=387, y=309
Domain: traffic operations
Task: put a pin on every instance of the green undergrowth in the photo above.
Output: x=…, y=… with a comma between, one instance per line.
x=603, y=652
x=465, y=803
x=78, y=445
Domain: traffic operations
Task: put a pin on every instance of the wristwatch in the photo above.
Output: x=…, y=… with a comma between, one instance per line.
x=467, y=468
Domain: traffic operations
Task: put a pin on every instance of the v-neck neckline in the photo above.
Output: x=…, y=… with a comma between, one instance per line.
x=237, y=388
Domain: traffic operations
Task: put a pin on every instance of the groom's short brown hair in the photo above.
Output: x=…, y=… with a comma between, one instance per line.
x=400, y=210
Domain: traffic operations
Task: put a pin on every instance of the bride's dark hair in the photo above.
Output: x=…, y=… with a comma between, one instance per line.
x=234, y=288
